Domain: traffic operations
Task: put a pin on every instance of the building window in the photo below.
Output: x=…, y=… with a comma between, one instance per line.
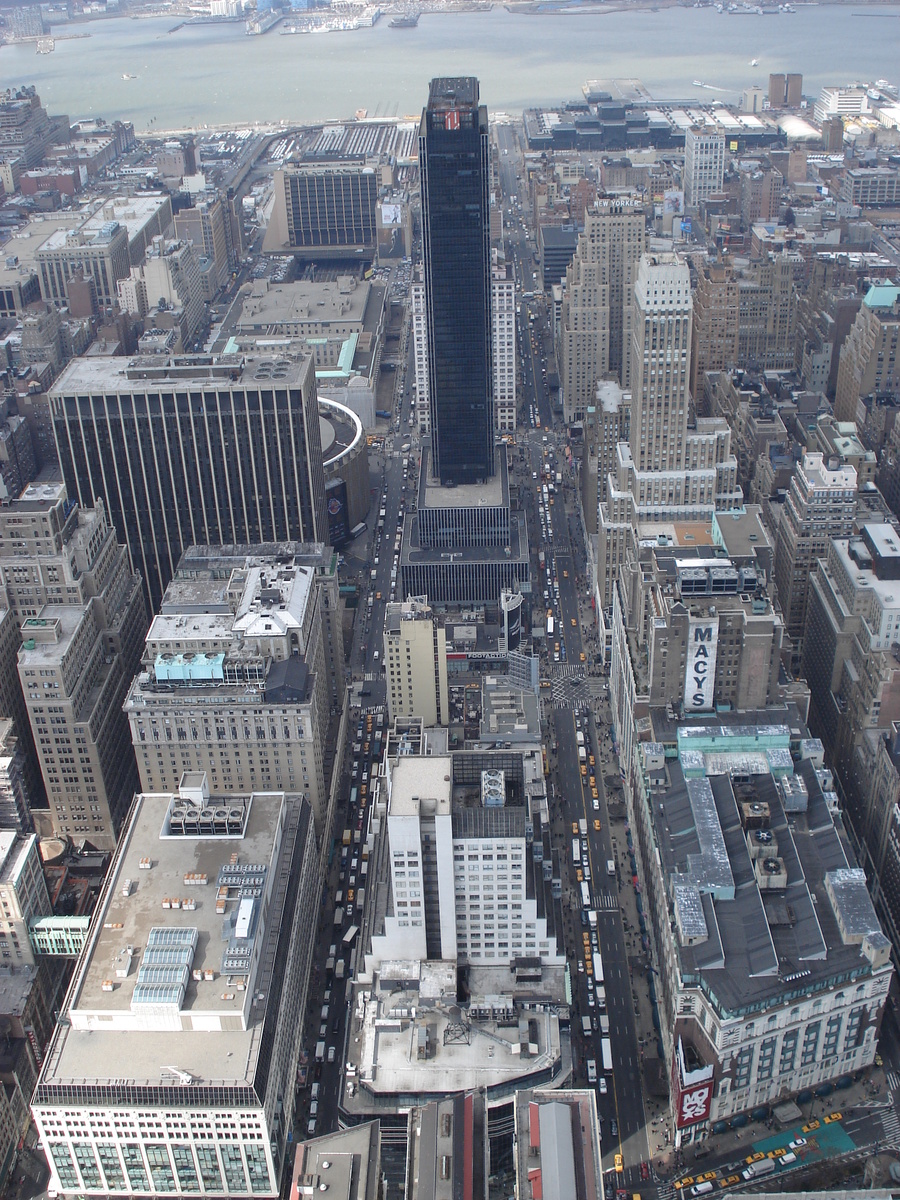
x=134, y=1166
x=112, y=1168
x=65, y=1168
x=810, y=1044
x=209, y=1169
x=160, y=1168
x=87, y=1165
x=258, y=1168
x=233, y=1165
x=766, y=1059
x=743, y=1064
x=788, y=1051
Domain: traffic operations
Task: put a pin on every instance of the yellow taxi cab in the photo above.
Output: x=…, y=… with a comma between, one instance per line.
x=595, y=794
x=620, y=1162
x=589, y=967
x=579, y=874
x=591, y=759
x=584, y=769
x=565, y=574
x=574, y=623
x=582, y=656
x=350, y=895
x=683, y=1183
x=597, y=824
x=752, y=1158
x=835, y=1116
x=575, y=828
x=811, y=1126
x=707, y=1175
x=730, y=1179
x=586, y=938
x=777, y=1152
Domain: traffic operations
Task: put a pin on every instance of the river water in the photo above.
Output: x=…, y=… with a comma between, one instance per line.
x=217, y=75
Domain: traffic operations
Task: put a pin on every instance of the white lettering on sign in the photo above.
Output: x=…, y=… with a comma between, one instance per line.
x=700, y=672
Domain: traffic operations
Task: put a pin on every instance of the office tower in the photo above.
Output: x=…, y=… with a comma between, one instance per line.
x=80, y=649
x=415, y=662
x=99, y=255
x=704, y=165
x=767, y=311
x=793, y=89
x=175, y=1057
x=206, y=224
x=820, y=505
x=833, y=134
x=661, y=345
x=242, y=673
x=503, y=338
x=193, y=450
x=503, y=342
x=760, y=196
x=324, y=212
x=23, y=895
x=665, y=473
x=25, y=128
x=852, y=630
x=454, y=913
x=167, y=287
x=715, y=325
x=53, y=554
x=595, y=334
x=454, y=173
x=870, y=356
x=777, y=85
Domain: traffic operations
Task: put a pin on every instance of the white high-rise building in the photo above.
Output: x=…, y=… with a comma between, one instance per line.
x=704, y=165
x=503, y=331
x=463, y=882
x=420, y=353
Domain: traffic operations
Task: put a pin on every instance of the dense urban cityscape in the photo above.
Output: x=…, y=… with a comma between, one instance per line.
x=463, y=550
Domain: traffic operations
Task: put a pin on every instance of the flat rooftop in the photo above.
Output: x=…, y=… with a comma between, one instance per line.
x=416, y=779
x=106, y=1033
x=25, y=242
x=383, y=1048
x=131, y=212
x=270, y=306
x=149, y=373
x=494, y=491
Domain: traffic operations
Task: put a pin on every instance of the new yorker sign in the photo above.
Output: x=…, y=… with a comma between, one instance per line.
x=700, y=672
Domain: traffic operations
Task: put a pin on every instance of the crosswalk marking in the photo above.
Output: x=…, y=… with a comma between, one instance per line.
x=890, y=1122
x=893, y=1081
x=665, y=1191
x=606, y=901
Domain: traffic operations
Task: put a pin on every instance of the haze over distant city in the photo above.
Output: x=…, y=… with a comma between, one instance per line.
x=225, y=77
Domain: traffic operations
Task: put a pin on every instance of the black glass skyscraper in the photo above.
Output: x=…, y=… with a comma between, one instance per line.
x=453, y=168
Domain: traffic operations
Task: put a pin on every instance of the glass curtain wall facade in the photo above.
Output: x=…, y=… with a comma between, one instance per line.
x=453, y=165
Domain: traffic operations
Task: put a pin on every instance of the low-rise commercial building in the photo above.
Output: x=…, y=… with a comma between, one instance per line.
x=175, y=1058
x=242, y=673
